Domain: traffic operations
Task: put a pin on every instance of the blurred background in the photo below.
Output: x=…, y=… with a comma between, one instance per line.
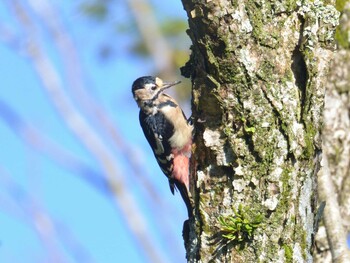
x=78, y=181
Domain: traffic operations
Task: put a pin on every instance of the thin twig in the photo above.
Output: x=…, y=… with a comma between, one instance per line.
x=39, y=141
x=52, y=21
x=150, y=32
x=74, y=75
x=90, y=139
x=48, y=229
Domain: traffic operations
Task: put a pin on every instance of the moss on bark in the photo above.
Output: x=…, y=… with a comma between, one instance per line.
x=257, y=69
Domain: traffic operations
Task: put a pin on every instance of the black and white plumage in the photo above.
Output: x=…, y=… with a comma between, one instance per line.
x=166, y=130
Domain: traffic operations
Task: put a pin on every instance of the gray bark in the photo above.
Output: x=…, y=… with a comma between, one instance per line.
x=258, y=70
x=334, y=180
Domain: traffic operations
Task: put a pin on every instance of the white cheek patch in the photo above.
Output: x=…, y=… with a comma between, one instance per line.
x=149, y=86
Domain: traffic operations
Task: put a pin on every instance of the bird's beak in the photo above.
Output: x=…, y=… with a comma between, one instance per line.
x=167, y=85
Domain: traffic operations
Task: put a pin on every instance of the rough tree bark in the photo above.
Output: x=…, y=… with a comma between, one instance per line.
x=258, y=70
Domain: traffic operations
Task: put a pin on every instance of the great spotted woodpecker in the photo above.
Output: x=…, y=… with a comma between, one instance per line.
x=166, y=130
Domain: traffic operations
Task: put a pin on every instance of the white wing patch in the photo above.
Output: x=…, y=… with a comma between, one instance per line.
x=170, y=157
x=159, y=145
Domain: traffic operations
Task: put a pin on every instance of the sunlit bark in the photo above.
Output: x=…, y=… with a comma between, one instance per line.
x=258, y=72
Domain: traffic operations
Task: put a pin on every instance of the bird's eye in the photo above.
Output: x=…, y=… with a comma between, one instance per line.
x=154, y=87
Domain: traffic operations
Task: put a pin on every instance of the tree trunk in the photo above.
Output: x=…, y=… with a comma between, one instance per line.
x=334, y=186
x=258, y=70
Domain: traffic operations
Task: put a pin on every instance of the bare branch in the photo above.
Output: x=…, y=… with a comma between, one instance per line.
x=336, y=234
x=40, y=142
x=88, y=136
x=152, y=36
x=48, y=229
x=74, y=73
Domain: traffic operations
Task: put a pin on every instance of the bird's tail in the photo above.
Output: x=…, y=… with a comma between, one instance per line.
x=185, y=196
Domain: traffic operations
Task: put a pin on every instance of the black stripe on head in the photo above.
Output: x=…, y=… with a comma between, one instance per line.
x=141, y=82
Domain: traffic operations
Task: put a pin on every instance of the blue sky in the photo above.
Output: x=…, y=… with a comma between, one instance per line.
x=53, y=206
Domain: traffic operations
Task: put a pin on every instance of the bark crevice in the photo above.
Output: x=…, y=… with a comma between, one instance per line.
x=256, y=110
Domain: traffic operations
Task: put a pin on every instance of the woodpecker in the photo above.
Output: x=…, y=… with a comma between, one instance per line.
x=167, y=131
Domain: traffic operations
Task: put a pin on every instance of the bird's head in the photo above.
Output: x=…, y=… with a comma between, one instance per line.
x=147, y=89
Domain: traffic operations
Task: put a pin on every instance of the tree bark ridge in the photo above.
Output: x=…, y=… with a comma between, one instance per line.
x=258, y=71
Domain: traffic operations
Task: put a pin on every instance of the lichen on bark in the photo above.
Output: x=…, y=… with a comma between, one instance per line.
x=257, y=69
